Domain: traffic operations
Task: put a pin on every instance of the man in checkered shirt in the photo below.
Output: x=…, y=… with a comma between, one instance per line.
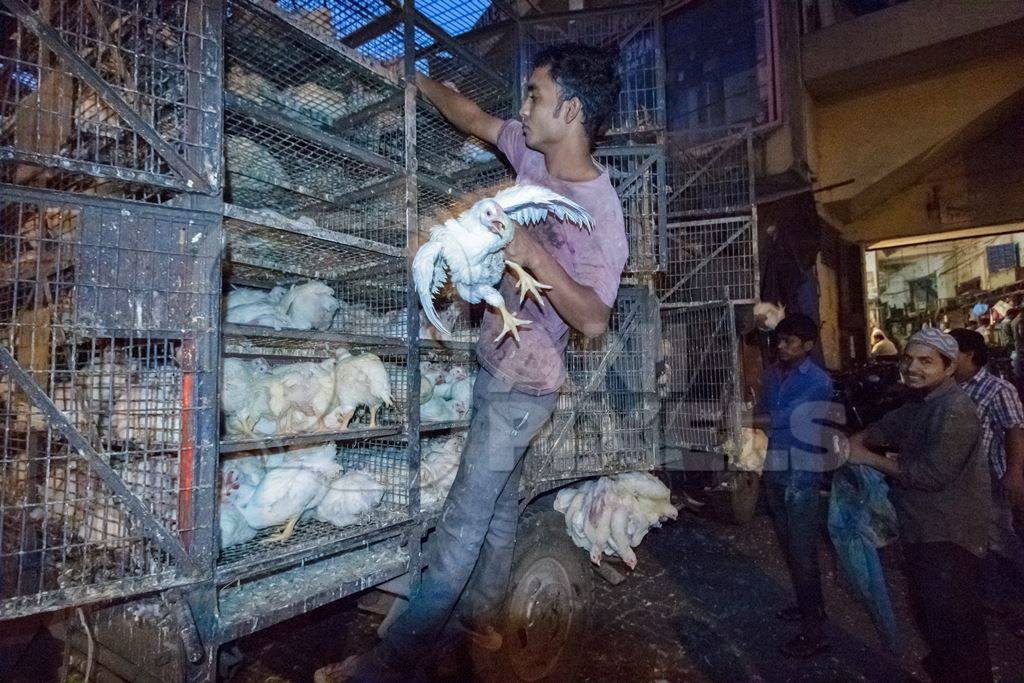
x=1002, y=438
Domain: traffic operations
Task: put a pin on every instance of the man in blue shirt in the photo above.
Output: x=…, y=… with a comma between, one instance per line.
x=796, y=395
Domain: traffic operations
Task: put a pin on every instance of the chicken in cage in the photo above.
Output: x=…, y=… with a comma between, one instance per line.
x=297, y=398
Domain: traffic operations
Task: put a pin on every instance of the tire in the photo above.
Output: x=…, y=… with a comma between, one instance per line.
x=547, y=610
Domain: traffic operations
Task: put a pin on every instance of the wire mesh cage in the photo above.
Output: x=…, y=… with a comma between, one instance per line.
x=471, y=47
x=280, y=392
x=605, y=420
x=637, y=173
x=709, y=260
x=363, y=488
x=104, y=394
x=635, y=32
x=121, y=89
x=700, y=379
x=710, y=172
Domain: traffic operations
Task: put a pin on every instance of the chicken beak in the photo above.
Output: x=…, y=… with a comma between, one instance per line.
x=498, y=227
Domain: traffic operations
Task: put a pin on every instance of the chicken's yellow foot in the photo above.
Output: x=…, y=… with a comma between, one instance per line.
x=286, y=533
x=509, y=323
x=527, y=283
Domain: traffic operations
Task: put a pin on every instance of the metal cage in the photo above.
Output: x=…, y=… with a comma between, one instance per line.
x=605, y=420
x=700, y=382
x=121, y=90
x=635, y=31
x=107, y=394
x=711, y=219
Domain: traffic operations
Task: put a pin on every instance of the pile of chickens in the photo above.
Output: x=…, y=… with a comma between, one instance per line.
x=446, y=392
x=439, y=463
x=300, y=398
x=611, y=515
x=280, y=489
x=309, y=306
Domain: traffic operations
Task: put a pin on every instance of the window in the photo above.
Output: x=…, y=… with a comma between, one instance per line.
x=720, y=64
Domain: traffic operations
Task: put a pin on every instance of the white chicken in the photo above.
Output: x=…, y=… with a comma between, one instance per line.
x=309, y=306
x=248, y=392
x=439, y=463
x=250, y=165
x=359, y=380
x=469, y=249
x=437, y=409
x=349, y=498
x=262, y=313
x=752, y=450
x=149, y=411
x=767, y=316
x=319, y=103
x=290, y=489
x=611, y=515
x=299, y=395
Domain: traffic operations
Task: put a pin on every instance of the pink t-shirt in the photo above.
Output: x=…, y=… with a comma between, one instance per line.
x=536, y=364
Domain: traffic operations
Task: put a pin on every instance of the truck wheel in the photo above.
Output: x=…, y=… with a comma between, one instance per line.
x=546, y=614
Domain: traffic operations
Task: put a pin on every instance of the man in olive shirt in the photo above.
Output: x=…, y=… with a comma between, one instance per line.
x=941, y=494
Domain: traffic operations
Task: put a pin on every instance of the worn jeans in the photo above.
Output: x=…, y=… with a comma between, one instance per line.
x=944, y=585
x=471, y=560
x=796, y=514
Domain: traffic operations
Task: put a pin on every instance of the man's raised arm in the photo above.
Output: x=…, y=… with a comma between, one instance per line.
x=462, y=112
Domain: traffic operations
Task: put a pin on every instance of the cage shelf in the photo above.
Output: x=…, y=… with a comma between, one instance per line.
x=276, y=42
x=261, y=239
x=354, y=434
x=445, y=426
x=311, y=540
x=252, y=340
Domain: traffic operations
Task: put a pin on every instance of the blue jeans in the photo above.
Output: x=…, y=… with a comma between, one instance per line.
x=795, y=504
x=471, y=561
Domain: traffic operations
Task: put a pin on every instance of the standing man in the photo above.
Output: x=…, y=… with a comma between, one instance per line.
x=941, y=494
x=570, y=93
x=796, y=391
x=1002, y=437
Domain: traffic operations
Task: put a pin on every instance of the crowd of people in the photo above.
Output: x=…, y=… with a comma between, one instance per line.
x=953, y=455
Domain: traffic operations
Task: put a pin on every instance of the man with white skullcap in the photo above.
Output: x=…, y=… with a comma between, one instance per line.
x=941, y=493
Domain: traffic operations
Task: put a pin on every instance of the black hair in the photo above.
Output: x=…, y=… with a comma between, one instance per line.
x=798, y=325
x=969, y=341
x=587, y=73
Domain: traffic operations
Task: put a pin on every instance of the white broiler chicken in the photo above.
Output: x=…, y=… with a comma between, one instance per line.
x=320, y=103
x=250, y=165
x=469, y=250
x=611, y=515
x=767, y=316
x=359, y=380
x=242, y=296
x=287, y=491
x=309, y=306
x=246, y=389
x=300, y=395
x=149, y=411
x=437, y=409
x=439, y=463
x=349, y=498
x=752, y=450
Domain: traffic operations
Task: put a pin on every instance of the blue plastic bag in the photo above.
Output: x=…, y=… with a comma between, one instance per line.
x=861, y=519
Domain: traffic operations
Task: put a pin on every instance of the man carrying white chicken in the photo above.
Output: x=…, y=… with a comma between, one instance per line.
x=569, y=96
